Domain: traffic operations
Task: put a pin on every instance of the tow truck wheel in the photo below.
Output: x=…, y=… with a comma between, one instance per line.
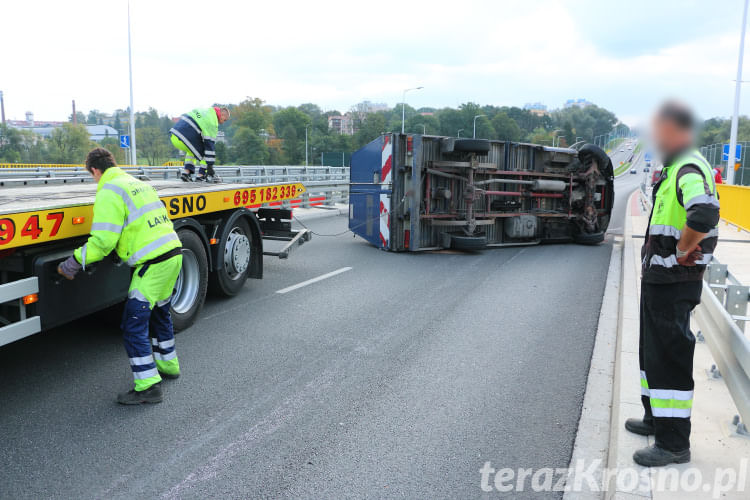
x=233, y=263
x=190, y=288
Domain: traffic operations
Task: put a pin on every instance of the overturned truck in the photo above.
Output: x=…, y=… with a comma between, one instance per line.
x=419, y=192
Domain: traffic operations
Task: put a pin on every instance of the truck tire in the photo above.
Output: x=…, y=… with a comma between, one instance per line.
x=233, y=263
x=589, y=238
x=480, y=146
x=463, y=242
x=192, y=283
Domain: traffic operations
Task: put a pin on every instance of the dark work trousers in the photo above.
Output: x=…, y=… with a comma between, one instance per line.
x=665, y=353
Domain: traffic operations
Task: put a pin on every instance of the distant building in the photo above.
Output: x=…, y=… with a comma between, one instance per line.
x=579, y=103
x=99, y=132
x=45, y=128
x=371, y=107
x=536, y=108
x=341, y=124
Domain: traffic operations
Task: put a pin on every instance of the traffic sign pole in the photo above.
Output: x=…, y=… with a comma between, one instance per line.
x=735, y=115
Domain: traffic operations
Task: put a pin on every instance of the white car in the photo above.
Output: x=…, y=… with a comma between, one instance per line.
x=622, y=150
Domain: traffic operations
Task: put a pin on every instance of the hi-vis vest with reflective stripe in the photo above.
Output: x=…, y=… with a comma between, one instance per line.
x=128, y=218
x=669, y=216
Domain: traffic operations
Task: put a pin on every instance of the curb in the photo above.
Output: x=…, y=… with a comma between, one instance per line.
x=594, y=426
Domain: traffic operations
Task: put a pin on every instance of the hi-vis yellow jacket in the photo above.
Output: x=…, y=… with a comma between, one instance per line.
x=128, y=218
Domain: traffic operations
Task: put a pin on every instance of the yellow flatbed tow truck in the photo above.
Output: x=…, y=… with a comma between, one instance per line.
x=222, y=228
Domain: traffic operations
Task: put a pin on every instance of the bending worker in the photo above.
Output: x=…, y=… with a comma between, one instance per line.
x=195, y=133
x=680, y=239
x=130, y=219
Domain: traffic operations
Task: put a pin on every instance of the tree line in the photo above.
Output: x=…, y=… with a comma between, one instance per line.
x=262, y=134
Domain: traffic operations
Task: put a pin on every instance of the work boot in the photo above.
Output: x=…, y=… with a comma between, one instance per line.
x=214, y=179
x=653, y=456
x=151, y=395
x=186, y=177
x=200, y=178
x=170, y=376
x=638, y=426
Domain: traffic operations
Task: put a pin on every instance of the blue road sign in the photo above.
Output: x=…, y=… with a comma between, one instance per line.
x=124, y=141
x=737, y=155
x=647, y=156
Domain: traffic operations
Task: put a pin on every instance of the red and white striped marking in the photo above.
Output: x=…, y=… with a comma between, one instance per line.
x=385, y=180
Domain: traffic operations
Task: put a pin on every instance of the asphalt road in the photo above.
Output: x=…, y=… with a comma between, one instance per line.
x=625, y=184
x=397, y=378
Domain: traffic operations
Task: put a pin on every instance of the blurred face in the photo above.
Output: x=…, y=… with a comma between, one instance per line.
x=669, y=137
x=224, y=116
x=96, y=174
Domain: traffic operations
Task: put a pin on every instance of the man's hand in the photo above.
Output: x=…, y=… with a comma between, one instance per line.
x=690, y=257
x=69, y=268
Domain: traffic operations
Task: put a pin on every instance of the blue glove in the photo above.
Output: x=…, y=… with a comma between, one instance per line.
x=69, y=268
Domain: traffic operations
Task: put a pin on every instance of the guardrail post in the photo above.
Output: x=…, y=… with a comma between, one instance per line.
x=716, y=276
x=737, y=297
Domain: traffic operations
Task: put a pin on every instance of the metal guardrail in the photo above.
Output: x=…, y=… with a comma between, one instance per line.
x=721, y=316
x=325, y=185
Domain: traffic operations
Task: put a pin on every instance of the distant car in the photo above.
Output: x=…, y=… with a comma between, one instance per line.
x=633, y=171
x=622, y=150
x=645, y=169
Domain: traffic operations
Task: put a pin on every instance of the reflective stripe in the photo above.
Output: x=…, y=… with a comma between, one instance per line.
x=671, y=261
x=190, y=122
x=162, y=303
x=136, y=294
x=83, y=256
x=106, y=226
x=143, y=360
x=704, y=198
x=664, y=230
x=162, y=345
x=672, y=394
x=123, y=194
x=185, y=142
x=644, y=384
x=133, y=260
x=148, y=207
x=671, y=412
x=145, y=374
x=165, y=357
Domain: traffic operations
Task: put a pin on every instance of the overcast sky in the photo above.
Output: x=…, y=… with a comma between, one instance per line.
x=624, y=56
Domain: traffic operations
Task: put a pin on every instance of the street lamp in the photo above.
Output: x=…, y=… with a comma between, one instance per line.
x=553, y=136
x=475, y=125
x=403, y=105
x=133, y=159
x=459, y=132
x=731, y=160
x=424, y=129
x=306, y=127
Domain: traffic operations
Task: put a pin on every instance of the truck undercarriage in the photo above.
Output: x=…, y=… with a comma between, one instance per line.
x=428, y=192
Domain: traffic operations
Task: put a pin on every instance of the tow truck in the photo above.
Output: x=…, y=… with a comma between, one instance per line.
x=43, y=218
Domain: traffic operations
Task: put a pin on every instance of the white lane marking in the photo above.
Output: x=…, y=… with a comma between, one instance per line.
x=314, y=280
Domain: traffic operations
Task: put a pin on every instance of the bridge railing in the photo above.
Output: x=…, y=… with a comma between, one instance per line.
x=325, y=185
x=735, y=201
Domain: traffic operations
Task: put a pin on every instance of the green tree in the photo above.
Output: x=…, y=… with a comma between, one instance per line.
x=248, y=148
x=506, y=128
x=152, y=143
x=69, y=144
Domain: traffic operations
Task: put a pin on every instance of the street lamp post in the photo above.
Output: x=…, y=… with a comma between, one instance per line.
x=306, y=127
x=133, y=159
x=403, y=105
x=424, y=129
x=475, y=125
x=731, y=159
x=459, y=132
x=553, y=136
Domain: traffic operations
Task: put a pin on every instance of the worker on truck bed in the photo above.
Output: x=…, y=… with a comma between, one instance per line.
x=195, y=133
x=130, y=219
x=680, y=239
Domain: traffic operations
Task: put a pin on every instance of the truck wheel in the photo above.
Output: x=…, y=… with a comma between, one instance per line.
x=190, y=288
x=589, y=238
x=471, y=243
x=233, y=263
x=479, y=146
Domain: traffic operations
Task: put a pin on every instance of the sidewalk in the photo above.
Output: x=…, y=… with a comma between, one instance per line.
x=719, y=457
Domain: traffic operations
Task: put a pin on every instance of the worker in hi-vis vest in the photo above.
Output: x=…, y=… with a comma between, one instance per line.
x=195, y=134
x=130, y=219
x=680, y=239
